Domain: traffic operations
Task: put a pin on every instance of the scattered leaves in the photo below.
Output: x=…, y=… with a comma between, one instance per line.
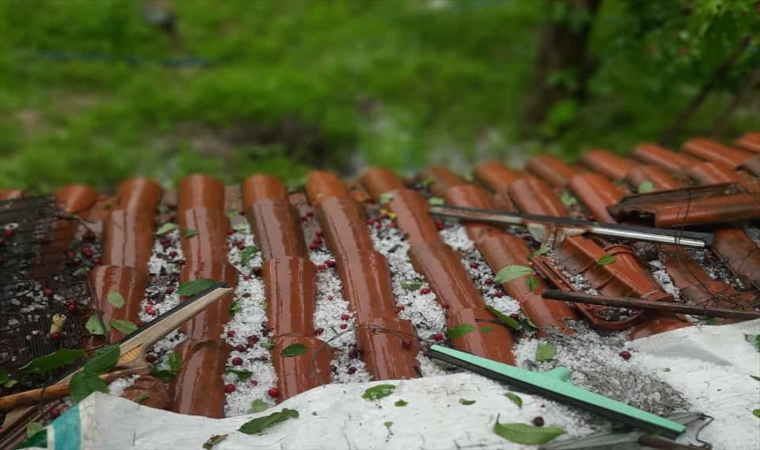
x=527, y=323
x=123, y=326
x=756, y=413
x=190, y=288
x=59, y=358
x=510, y=273
x=388, y=425
x=116, y=299
x=378, y=392
x=162, y=374
x=466, y=402
x=545, y=352
x=427, y=182
x=267, y=345
x=258, y=425
x=645, y=187
x=81, y=271
x=247, y=254
x=294, y=350
x=241, y=374
x=754, y=377
x=460, y=330
x=486, y=329
x=568, y=199
x=5, y=379
x=103, y=360
x=232, y=213
x=95, y=325
x=436, y=201
x=753, y=339
x=234, y=307
x=33, y=428
x=141, y=398
x=411, y=285
x=503, y=318
x=532, y=283
x=213, y=440
x=385, y=198
x=165, y=228
x=190, y=233
x=85, y=383
x=605, y=259
x=175, y=362
x=167, y=375
x=400, y=403
x=259, y=405
x=515, y=399
x=521, y=433
x=541, y=251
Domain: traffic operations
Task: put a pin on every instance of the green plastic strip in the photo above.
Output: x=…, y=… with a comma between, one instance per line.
x=556, y=384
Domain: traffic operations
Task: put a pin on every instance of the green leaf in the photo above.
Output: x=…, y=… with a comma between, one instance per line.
x=385, y=198
x=85, y=383
x=115, y=299
x=33, y=428
x=5, y=379
x=400, y=403
x=141, y=398
x=81, y=271
x=756, y=413
x=515, y=399
x=545, y=352
x=521, y=433
x=527, y=323
x=486, y=329
x=645, y=186
x=605, y=259
x=59, y=358
x=753, y=339
x=541, y=251
x=247, y=254
x=190, y=288
x=256, y=426
x=532, y=283
x=165, y=228
x=259, y=405
x=123, y=326
x=103, y=360
x=213, y=440
x=388, y=425
x=460, y=330
x=267, y=345
x=466, y=402
x=96, y=326
x=241, y=374
x=436, y=201
x=189, y=233
x=427, y=182
x=294, y=350
x=162, y=374
x=175, y=362
x=232, y=213
x=411, y=285
x=568, y=199
x=234, y=307
x=378, y=392
x=754, y=377
x=510, y=273
x=503, y=318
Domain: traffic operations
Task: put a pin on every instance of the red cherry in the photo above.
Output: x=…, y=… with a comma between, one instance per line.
x=181, y=262
x=330, y=297
x=353, y=353
x=71, y=307
x=240, y=347
x=625, y=354
x=153, y=313
x=312, y=247
x=139, y=323
x=330, y=263
x=370, y=221
x=351, y=370
x=489, y=281
x=169, y=290
x=253, y=339
x=424, y=291
x=319, y=331
x=237, y=361
x=246, y=295
x=9, y=232
x=254, y=383
x=55, y=413
x=148, y=308
x=231, y=333
x=406, y=343
x=173, y=254
x=344, y=317
x=273, y=392
x=439, y=224
x=240, y=245
x=320, y=233
x=474, y=265
x=343, y=326
x=247, y=277
x=322, y=267
x=2, y=242
x=310, y=214
x=515, y=316
x=437, y=337
x=97, y=261
x=256, y=270
x=445, y=305
x=499, y=294
x=230, y=232
x=229, y=388
x=55, y=336
x=150, y=358
x=378, y=225
x=47, y=292
x=399, y=308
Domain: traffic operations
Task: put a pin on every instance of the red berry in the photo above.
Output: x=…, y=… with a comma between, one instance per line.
x=181, y=262
x=437, y=337
x=399, y=308
x=499, y=294
x=378, y=225
x=153, y=313
x=256, y=270
x=231, y=333
x=424, y=291
x=353, y=353
x=319, y=331
x=56, y=336
x=254, y=383
x=273, y=392
x=246, y=277
x=538, y=421
x=489, y=281
x=240, y=245
x=310, y=214
x=173, y=254
x=47, y=292
x=330, y=263
x=351, y=370
x=370, y=221
x=169, y=290
x=253, y=339
x=330, y=297
x=439, y=224
x=322, y=267
x=304, y=219
x=246, y=295
x=625, y=354
x=406, y=343
x=344, y=317
x=230, y=232
x=240, y=347
x=474, y=265
x=343, y=326
x=229, y=388
x=97, y=261
x=445, y=305
x=71, y=307
x=2, y=242
x=515, y=316
x=320, y=233
x=150, y=358
x=9, y=232
x=148, y=308
x=237, y=361
x=55, y=413
x=312, y=247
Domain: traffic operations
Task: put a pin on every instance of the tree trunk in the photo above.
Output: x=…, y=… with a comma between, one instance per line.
x=562, y=65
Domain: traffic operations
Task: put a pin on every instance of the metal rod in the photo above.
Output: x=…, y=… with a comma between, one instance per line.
x=624, y=302
x=656, y=235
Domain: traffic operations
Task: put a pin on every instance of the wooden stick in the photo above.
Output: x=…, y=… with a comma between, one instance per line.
x=59, y=390
x=634, y=303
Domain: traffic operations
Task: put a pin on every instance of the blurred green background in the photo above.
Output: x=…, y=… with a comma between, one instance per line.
x=94, y=91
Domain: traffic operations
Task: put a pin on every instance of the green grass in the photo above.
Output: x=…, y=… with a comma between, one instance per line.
x=294, y=84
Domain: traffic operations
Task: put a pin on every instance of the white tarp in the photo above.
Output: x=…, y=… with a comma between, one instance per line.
x=710, y=365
